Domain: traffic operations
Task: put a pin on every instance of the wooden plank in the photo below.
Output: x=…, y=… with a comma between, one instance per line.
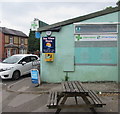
x=49, y=99
x=71, y=86
x=76, y=89
x=96, y=96
x=67, y=86
x=95, y=99
x=63, y=86
x=82, y=87
x=52, y=101
x=76, y=106
x=79, y=87
x=55, y=98
x=52, y=98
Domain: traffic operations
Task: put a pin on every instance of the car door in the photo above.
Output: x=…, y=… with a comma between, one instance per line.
x=26, y=65
x=33, y=58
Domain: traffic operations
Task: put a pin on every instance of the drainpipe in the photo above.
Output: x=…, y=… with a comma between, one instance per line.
x=118, y=3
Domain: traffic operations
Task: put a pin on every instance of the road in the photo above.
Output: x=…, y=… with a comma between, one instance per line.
x=16, y=102
x=10, y=81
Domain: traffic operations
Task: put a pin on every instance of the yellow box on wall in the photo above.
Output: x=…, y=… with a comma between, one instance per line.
x=49, y=56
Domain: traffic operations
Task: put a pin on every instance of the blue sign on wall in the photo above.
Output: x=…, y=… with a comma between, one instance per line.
x=37, y=34
x=48, y=44
x=34, y=76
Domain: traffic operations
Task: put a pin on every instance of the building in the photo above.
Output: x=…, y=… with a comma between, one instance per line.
x=12, y=42
x=84, y=48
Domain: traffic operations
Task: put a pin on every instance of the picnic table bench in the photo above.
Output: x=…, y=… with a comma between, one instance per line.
x=74, y=89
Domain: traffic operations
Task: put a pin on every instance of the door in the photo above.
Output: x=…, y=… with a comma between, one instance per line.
x=26, y=67
x=8, y=52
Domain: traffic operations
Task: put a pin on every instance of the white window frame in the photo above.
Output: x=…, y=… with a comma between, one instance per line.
x=92, y=23
x=22, y=41
x=11, y=39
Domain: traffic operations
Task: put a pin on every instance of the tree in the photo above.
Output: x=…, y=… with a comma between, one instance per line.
x=33, y=43
x=109, y=7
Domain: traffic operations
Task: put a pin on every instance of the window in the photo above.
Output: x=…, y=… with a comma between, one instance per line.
x=16, y=40
x=12, y=59
x=26, y=41
x=11, y=40
x=33, y=58
x=95, y=28
x=26, y=59
x=6, y=39
x=22, y=41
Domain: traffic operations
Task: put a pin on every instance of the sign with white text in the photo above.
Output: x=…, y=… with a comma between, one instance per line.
x=35, y=76
x=48, y=44
x=95, y=37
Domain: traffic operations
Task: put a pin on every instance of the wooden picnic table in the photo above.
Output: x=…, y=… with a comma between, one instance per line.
x=74, y=89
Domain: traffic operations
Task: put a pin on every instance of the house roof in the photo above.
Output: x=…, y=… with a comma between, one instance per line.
x=79, y=19
x=12, y=32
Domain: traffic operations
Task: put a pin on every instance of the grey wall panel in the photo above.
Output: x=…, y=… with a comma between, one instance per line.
x=95, y=43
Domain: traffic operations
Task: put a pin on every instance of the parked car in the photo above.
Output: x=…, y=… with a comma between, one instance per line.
x=17, y=65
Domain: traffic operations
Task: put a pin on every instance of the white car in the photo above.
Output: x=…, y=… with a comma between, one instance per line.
x=17, y=65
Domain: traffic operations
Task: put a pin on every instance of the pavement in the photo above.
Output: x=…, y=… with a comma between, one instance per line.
x=107, y=90
x=26, y=86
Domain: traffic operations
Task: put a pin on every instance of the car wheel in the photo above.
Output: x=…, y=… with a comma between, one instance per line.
x=16, y=75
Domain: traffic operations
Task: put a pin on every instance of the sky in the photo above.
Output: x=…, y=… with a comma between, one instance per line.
x=18, y=14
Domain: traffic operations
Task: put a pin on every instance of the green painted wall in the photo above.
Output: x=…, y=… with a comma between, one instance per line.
x=63, y=63
x=96, y=55
x=94, y=73
x=109, y=73
x=97, y=73
x=63, y=58
x=113, y=17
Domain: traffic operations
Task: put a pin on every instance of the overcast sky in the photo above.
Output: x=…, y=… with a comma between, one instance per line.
x=18, y=14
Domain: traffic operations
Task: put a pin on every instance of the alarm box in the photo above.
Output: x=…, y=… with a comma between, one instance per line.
x=49, y=56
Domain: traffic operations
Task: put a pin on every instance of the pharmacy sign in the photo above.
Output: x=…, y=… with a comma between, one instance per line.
x=35, y=25
x=112, y=37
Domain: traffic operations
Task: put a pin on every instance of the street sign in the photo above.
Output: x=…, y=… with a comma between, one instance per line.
x=35, y=76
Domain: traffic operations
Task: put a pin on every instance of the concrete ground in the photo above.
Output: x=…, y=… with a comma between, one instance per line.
x=109, y=94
